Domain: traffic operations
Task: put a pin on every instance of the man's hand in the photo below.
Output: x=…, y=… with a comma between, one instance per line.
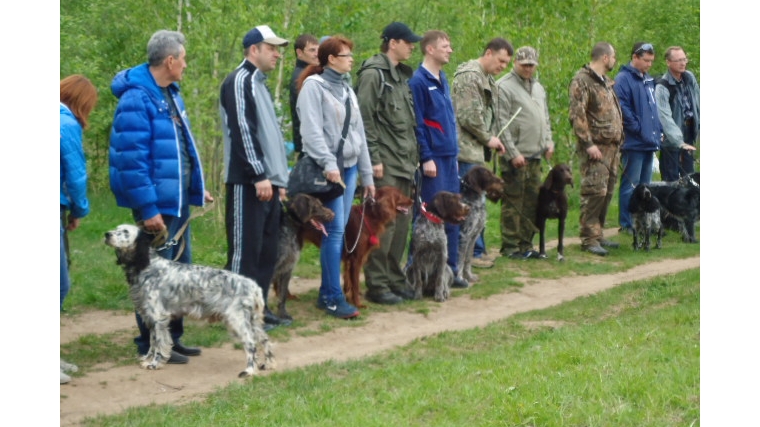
x=208, y=197
x=688, y=147
x=154, y=224
x=429, y=169
x=264, y=190
x=594, y=153
x=496, y=144
x=72, y=224
x=377, y=170
x=518, y=161
x=549, y=152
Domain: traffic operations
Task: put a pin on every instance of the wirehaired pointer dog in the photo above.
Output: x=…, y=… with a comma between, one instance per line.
x=474, y=185
x=552, y=203
x=428, y=274
x=162, y=289
x=302, y=214
x=645, y=215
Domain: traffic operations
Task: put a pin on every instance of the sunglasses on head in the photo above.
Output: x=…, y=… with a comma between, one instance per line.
x=646, y=47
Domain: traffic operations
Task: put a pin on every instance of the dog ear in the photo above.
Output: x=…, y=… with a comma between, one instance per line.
x=549, y=181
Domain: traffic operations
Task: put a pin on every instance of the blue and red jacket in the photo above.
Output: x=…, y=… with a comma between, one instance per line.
x=436, y=127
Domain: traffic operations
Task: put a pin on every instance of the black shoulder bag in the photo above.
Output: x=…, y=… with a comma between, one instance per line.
x=308, y=177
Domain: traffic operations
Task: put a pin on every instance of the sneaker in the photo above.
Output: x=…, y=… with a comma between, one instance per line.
x=596, y=250
x=68, y=367
x=531, y=254
x=460, y=283
x=340, y=308
x=64, y=378
x=482, y=262
x=609, y=244
x=384, y=297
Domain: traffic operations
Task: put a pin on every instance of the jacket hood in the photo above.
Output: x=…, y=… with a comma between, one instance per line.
x=628, y=68
x=65, y=111
x=137, y=77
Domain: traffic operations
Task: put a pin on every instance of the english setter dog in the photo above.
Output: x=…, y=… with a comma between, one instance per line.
x=162, y=289
x=428, y=274
x=645, y=213
x=477, y=185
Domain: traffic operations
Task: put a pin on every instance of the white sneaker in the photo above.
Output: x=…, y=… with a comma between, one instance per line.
x=64, y=378
x=68, y=367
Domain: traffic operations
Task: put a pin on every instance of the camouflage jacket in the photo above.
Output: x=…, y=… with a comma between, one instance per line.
x=595, y=110
x=388, y=112
x=473, y=93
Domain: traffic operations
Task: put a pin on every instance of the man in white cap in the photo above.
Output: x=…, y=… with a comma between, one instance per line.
x=527, y=139
x=255, y=163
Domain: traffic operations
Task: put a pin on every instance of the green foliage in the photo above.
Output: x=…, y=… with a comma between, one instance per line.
x=99, y=39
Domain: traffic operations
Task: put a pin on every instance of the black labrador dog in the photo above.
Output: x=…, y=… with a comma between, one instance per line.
x=552, y=204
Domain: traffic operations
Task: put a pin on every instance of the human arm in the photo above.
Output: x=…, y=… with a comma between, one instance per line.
x=368, y=94
x=625, y=95
x=239, y=114
x=422, y=102
x=73, y=169
x=578, y=115
x=467, y=94
x=310, y=110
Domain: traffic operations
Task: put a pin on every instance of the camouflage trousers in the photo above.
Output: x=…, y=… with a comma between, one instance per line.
x=598, y=178
x=518, y=205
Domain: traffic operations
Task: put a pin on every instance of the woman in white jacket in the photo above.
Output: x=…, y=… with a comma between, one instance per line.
x=321, y=106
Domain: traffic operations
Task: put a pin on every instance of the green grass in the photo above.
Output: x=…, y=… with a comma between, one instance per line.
x=628, y=356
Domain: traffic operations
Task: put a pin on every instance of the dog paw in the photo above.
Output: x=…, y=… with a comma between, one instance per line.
x=560, y=257
x=246, y=374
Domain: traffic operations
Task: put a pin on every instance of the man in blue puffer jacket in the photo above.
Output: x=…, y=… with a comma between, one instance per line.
x=641, y=124
x=154, y=166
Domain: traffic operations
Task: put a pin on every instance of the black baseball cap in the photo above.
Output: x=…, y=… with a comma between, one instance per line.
x=399, y=31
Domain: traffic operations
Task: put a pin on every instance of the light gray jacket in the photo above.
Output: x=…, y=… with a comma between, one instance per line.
x=322, y=115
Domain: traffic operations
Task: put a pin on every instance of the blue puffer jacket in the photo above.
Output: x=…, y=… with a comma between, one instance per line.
x=144, y=157
x=73, y=166
x=641, y=121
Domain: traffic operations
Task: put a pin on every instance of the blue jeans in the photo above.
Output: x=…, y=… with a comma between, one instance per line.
x=65, y=281
x=637, y=169
x=332, y=244
x=176, y=326
x=480, y=243
x=675, y=164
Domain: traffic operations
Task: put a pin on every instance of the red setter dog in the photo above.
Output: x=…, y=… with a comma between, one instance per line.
x=366, y=224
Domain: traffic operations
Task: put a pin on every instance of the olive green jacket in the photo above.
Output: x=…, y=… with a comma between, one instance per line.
x=473, y=93
x=530, y=132
x=388, y=113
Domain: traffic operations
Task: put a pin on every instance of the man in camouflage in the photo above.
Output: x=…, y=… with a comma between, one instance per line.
x=598, y=124
x=473, y=93
x=385, y=101
x=527, y=139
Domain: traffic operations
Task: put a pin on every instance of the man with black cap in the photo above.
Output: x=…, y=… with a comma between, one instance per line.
x=255, y=163
x=527, y=139
x=385, y=101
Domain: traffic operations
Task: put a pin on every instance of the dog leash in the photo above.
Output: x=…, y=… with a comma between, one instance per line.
x=361, y=225
x=177, y=239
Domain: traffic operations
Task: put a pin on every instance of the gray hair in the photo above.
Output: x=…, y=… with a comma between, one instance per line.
x=164, y=43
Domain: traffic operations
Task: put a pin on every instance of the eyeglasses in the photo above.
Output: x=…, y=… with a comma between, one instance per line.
x=646, y=47
x=346, y=55
x=684, y=60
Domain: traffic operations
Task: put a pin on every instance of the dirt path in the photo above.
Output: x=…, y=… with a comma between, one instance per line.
x=114, y=389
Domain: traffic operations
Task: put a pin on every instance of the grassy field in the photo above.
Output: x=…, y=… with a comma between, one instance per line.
x=625, y=357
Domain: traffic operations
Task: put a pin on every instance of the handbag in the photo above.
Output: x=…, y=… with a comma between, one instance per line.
x=308, y=176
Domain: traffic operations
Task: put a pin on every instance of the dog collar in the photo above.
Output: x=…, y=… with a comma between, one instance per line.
x=429, y=215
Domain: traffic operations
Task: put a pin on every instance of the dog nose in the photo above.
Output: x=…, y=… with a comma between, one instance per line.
x=107, y=234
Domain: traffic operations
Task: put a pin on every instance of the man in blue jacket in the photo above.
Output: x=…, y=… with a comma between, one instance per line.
x=436, y=132
x=153, y=162
x=641, y=124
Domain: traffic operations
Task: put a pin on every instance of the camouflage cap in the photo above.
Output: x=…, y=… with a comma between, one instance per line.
x=526, y=55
